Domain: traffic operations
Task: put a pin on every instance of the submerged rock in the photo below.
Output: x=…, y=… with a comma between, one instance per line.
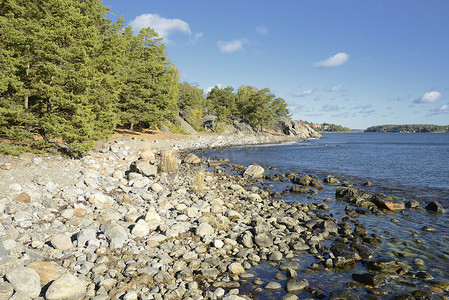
x=435, y=207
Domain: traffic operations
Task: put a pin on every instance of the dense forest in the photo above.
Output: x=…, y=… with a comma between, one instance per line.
x=408, y=128
x=69, y=76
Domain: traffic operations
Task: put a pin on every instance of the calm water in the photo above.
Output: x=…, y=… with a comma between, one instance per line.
x=409, y=166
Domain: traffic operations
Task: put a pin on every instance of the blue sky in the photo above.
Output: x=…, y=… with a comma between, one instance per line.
x=350, y=62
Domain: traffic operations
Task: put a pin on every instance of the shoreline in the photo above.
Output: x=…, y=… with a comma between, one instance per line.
x=194, y=233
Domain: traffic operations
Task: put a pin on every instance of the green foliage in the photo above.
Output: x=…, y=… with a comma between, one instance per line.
x=222, y=101
x=408, y=128
x=68, y=74
x=191, y=101
x=334, y=128
x=175, y=127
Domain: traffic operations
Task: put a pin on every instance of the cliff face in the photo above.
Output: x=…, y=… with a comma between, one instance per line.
x=283, y=126
x=295, y=128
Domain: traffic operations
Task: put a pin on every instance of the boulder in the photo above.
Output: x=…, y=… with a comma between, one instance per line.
x=294, y=285
x=144, y=167
x=343, y=294
x=303, y=180
x=263, y=240
x=388, y=203
x=435, y=206
x=343, y=192
x=236, y=268
x=388, y=266
x=47, y=271
x=66, y=287
x=25, y=281
x=254, y=171
x=299, y=189
x=371, y=279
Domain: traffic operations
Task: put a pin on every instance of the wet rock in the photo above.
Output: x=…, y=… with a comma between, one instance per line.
x=294, y=285
x=299, y=189
x=388, y=266
x=435, y=206
x=316, y=183
x=66, y=287
x=272, y=286
x=343, y=294
x=303, y=180
x=422, y=295
x=405, y=296
x=412, y=204
x=371, y=279
x=289, y=265
x=331, y=180
x=254, y=171
x=364, y=251
x=25, y=281
x=388, y=203
x=343, y=192
x=289, y=297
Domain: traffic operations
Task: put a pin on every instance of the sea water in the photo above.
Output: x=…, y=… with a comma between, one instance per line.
x=409, y=166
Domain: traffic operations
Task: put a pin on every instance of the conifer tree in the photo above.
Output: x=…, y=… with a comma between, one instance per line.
x=58, y=84
x=150, y=82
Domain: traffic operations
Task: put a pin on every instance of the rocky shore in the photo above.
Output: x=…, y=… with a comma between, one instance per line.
x=134, y=221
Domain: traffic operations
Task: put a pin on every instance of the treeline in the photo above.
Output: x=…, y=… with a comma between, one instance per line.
x=328, y=127
x=259, y=106
x=408, y=128
x=69, y=76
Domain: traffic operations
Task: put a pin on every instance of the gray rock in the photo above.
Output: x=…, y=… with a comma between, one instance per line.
x=61, y=241
x=100, y=200
x=204, y=229
x=371, y=279
x=236, y=268
x=85, y=235
x=25, y=280
x=116, y=234
x=254, y=171
x=263, y=240
x=140, y=229
x=6, y=290
x=144, y=167
x=247, y=239
x=66, y=287
x=289, y=265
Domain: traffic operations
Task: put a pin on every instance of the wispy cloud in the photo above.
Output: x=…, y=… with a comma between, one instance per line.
x=303, y=93
x=231, y=46
x=333, y=61
x=429, y=97
x=336, y=88
x=219, y=85
x=400, y=98
x=444, y=109
x=195, y=38
x=330, y=108
x=262, y=30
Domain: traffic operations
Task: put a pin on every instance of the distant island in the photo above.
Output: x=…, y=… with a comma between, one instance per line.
x=328, y=127
x=408, y=128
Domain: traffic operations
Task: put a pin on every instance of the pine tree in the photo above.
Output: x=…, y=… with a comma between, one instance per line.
x=149, y=89
x=58, y=83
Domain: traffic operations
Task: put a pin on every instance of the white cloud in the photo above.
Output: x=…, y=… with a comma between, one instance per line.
x=231, y=46
x=336, y=88
x=333, y=61
x=262, y=30
x=164, y=27
x=429, y=97
x=303, y=93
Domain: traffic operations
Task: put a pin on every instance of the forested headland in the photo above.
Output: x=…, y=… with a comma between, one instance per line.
x=70, y=76
x=408, y=128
